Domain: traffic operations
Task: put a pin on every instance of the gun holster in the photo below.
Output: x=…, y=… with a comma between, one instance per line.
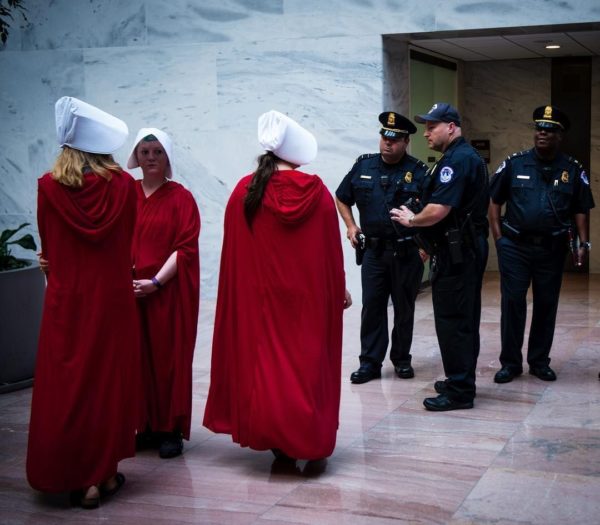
x=360, y=248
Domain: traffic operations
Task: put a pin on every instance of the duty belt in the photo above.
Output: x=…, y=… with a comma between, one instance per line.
x=378, y=243
x=547, y=240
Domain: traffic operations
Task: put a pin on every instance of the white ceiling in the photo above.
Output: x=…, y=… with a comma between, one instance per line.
x=511, y=43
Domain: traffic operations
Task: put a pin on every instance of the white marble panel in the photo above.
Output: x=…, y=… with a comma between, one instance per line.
x=474, y=14
x=327, y=82
x=79, y=24
x=188, y=21
x=27, y=96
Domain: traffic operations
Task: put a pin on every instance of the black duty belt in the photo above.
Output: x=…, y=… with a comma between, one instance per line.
x=536, y=239
x=378, y=243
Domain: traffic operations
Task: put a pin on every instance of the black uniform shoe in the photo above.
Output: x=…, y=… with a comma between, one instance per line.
x=545, y=373
x=442, y=403
x=171, y=447
x=365, y=373
x=404, y=371
x=506, y=375
x=441, y=387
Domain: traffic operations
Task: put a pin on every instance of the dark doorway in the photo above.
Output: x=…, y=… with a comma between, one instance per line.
x=572, y=92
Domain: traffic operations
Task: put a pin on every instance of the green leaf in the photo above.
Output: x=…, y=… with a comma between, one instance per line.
x=26, y=242
x=7, y=234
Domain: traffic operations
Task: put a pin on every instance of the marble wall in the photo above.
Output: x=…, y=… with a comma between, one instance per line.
x=204, y=70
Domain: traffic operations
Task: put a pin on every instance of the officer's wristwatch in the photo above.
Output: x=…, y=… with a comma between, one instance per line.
x=587, y=245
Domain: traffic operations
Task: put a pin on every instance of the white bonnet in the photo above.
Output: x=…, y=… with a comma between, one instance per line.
x=286, y=138
x=165, y=142
x=82, y=126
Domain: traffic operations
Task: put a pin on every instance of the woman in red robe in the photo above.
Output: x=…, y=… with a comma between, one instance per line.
x=85, y=402
x=276, y=357
x=166, y=283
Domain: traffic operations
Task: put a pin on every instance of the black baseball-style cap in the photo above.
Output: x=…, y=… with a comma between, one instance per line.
x=550, y=118
x=440, y=112
x=395, y=125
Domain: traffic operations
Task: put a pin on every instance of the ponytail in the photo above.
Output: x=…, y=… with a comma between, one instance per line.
x=267, y=165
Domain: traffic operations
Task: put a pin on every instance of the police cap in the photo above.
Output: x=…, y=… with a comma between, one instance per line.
x=440, y=112
x=395, y=126
x=550, y=117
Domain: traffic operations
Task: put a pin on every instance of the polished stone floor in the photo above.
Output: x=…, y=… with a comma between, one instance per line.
x=528, y=453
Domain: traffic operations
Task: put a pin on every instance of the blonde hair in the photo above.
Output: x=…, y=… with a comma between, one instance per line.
x=70, y=164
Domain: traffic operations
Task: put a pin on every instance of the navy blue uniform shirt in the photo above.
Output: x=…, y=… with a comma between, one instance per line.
x=460, y=180
x=541, y=196
x=376, y=187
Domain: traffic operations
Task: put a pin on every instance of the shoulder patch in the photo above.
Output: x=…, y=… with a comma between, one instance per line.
x=584, y=178
x=446, y=174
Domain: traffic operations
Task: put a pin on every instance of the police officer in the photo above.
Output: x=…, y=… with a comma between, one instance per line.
x=391, y=263
x=454, y=222
x=547, y=196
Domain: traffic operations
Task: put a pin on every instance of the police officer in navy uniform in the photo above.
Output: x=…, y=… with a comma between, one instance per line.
x=391, y=264
x=454, y=223
x=547, y=196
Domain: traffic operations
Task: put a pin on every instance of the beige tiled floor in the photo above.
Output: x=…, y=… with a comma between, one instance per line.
x=528, y=453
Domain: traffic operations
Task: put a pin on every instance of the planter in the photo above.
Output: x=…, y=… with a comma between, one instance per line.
x=21, y=302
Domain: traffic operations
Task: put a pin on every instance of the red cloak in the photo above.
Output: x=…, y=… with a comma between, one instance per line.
x=276, y=355
x=85, y=404
x=168, y=221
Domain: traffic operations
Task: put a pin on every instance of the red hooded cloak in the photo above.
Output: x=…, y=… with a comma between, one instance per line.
x=168, y=221
x=276, y=356
x=85, y=405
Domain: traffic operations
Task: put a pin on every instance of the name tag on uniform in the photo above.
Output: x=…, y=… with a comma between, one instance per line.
x=365, y=177
x=527, y=177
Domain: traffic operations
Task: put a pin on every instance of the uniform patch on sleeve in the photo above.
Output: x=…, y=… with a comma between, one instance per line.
x=446, y=174
x=501, y=167
x=584, y=178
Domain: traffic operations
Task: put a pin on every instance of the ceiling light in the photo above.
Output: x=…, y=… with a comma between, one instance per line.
x=553, y=46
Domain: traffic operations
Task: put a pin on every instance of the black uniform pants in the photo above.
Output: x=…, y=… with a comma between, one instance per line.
x=522, y=265
x=385, y=273
x=456, y=296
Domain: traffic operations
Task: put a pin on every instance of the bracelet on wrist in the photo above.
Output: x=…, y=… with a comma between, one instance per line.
x=156, y=282
x=411, y=219
x=586, y=245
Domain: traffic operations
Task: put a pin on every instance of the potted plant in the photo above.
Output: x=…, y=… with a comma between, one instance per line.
x=22, y=288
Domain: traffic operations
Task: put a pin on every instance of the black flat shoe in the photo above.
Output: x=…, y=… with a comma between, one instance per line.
x=120, y=481
x=282, y=456
x=506, y=375
x=443, y=403
x=545, y=373
x=404, y=371
x=171, y=447
x=364, y=374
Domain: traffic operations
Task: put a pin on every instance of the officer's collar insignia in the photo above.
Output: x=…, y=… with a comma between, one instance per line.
x=391, y=120
x=565, y=177
x=408, y=177
x=548, y=112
